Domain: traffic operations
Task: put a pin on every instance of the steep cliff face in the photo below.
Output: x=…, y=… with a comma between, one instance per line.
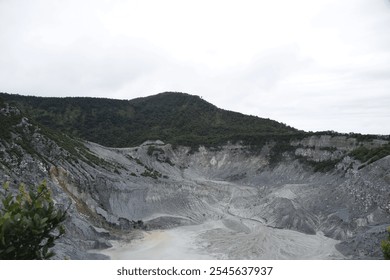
x=29, y=155
x=316, y=192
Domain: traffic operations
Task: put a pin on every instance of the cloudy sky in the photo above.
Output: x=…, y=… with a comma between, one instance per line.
x=315, y=65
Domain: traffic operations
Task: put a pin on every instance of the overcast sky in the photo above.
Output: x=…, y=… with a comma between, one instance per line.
x=315, y=65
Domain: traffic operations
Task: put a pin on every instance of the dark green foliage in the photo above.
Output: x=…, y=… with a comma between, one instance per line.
x=139, y=162
x=75, y=148
x=320, y=166
x=176, y=118
x=364, y=154
x=152, y=149
x=139, y=224
x=280, y=147
x=329, y=149
x=368, y=137
x=167, y=160
x=385, y=244
x=29, y=224
x=361, y=153
x=159, y=155
x=7, y=123
x=151, y=173
x=324, y=166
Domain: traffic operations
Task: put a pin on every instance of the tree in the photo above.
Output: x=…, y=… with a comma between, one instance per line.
x=386, y=246
x=29, y=223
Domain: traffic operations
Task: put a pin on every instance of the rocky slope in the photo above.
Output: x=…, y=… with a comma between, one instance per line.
x=239, y=189
x=312, y=200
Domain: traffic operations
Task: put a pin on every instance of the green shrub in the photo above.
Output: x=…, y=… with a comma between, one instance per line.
x=29, y=224
x=151, y=173
x=370, y=155
x=386, y=246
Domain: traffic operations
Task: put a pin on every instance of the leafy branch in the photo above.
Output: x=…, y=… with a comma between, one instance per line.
x=29, y=223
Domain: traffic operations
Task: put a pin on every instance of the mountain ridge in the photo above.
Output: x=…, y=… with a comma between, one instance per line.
x=177, y=118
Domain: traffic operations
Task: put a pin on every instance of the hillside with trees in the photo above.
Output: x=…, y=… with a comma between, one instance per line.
x=172, y=117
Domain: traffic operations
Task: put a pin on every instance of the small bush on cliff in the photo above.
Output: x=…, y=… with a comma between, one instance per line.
x=386, y=246
x=29, y=224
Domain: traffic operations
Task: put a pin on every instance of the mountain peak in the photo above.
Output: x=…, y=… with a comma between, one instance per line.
x=173, y=98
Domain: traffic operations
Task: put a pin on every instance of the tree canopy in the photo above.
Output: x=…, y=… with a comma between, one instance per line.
x=172, y=117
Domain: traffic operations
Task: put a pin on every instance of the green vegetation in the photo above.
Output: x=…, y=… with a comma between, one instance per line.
x=385, y=244
x=29, y=224
x=151, y=173
x=281, y=146
x=175, y=118
x=7, y=123
x=324, y=166
x=329, y=149
x=320, y=166
x=75, y=149
x=364, y=154
x=152, y=149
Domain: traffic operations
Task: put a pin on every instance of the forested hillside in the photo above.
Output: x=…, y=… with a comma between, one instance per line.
x=172, y=117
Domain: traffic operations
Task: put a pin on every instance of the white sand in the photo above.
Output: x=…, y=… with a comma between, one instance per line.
x=212, y=240
x=173, y=244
